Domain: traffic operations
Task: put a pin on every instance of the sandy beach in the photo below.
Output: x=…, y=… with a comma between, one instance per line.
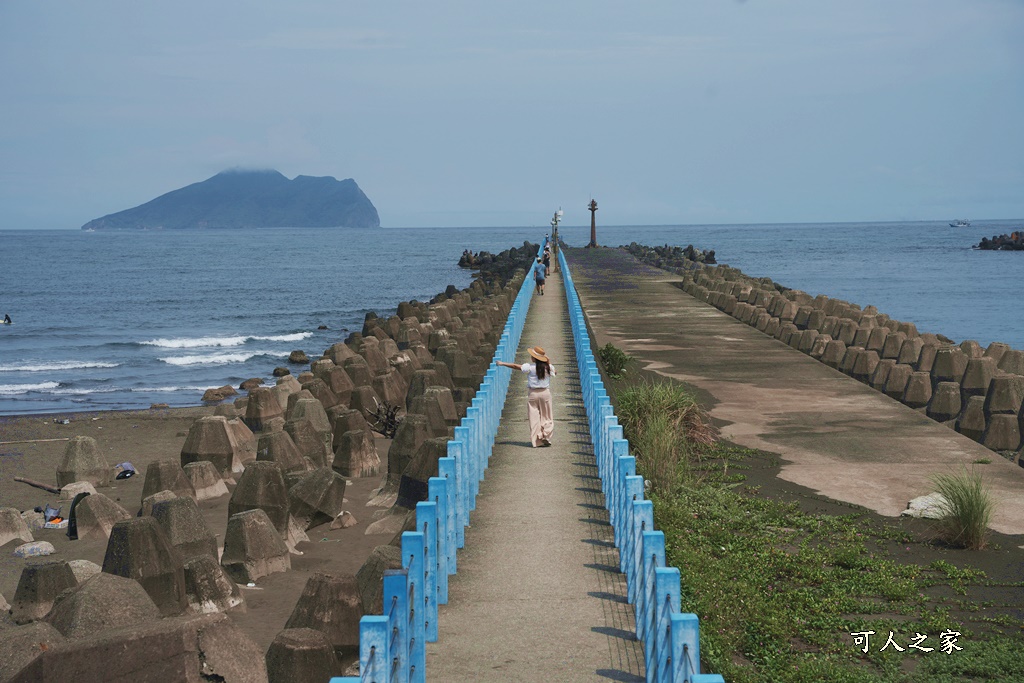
x=32, y=447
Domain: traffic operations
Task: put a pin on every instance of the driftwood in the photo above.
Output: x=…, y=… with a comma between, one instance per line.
x=38, y=484
x=385, y=420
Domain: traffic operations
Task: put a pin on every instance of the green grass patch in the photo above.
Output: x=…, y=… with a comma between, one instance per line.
x=968, y=508
x=614, y=360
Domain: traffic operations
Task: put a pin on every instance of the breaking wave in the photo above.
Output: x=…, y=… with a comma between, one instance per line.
x=57, y=365
x=219, y=358
x=15, y=389
x=207, y=342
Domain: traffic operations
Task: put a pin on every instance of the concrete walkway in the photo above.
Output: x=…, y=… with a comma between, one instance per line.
x=538, y=595
x=836, y=436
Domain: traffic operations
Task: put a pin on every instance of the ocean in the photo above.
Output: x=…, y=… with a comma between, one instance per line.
x=121, y=320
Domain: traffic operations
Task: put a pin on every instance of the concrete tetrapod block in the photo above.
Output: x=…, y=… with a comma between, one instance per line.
x=212, y=439
x=21, y=646
x=972, y=423
x=322, y=393
x=339, y=353
x=1002, y=433
x=898, y=378
x=185, y=527
x=310, y=443
x=834, y=353
x=972, y=349
x=356, y=454
x=926, y=359
x=881, y=374
x=189, y=649
x=167, y=475
x=850, y=359
x=909, y=329
x=807, y=339
x=336, y=379
x=370, y=577
x=96, y=514
x=138, y=549
x=358, y=371
x=253, y=548
x=346, y=420
x=428, y=407
x=411, y=433
x=893, y=345
x=945, y=404
x=365, y=400
x=330, y=604
x=279, y=448
x=39, y=585
x=300, y=654
x=1005, y=395
x=206, y=480
x=862, y=336
x=423, y=466
x=996, y=350
x=846, y=332
x=919, y=391
x=262, y=487
x=317, y=498
x=444, y=376
x=69, y=491
x=84, y=570
x=421, y=379
x=82, y=461
x=1012, y=362
x=13, y=527
x=149, y=501
x=208, y=588
x=977, y=377
x=910, y=351
x=864, y=366
x=308, y=409
x=245, y=441
x=262, y=409
x=877, y=339
x=102, y=602
x=949, y=366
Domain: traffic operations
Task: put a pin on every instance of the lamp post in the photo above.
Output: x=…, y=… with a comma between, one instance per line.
x=554, y=238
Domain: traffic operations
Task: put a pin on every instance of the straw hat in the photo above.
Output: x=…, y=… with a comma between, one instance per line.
x=538, y=353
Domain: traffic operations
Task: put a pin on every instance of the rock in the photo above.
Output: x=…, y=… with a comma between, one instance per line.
x=262, y=487
x=102, y=602
x=298, y=357
x=253, y=548
x=34, y=549
x=20, y=647
x=69, y=491
x=208, y=588
x=167, y=475
x=251, y=383
x=206, y=480
x=300, y=654
x=13, y=527
x=344, y=521
x=213, y=439
x=219, y=394
x=38, y=587
x=355, y=454
x=370, y=577
x=317, y=498
x=84, y=570
x=331, y=605
x=190, y=649
x=932, y=506
x=82, y=462
x=185, y=528
x=281, y=371
x=138, y=549
x=95, y=515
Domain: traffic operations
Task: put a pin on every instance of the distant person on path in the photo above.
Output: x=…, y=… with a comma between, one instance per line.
x=538, y=402
x=547, y=261
x=539, y=273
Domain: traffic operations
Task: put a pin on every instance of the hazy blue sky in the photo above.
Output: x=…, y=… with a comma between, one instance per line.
x=486, y=113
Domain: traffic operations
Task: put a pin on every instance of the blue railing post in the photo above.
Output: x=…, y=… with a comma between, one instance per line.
x=396, y=609
x=437, y=491
x=426, y=523
x=412, y=558
x=449, y=469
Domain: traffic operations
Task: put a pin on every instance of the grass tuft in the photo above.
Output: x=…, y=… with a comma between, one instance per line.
x=968, y=509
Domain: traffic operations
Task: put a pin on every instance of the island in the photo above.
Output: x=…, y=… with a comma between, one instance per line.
x=250, y=199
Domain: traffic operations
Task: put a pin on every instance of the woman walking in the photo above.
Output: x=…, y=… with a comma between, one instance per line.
x=538, y=402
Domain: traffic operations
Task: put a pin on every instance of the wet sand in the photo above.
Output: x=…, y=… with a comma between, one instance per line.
x=32, y=447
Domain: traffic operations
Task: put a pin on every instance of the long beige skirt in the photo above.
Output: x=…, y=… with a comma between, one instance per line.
x=542, y=424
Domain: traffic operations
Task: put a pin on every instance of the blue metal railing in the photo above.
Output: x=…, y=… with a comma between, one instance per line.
x=671, y=638
x=392, y=648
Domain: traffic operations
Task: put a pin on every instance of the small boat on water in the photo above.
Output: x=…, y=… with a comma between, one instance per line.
x=960, y=223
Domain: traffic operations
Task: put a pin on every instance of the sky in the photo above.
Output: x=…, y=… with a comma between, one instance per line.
x=452, y=113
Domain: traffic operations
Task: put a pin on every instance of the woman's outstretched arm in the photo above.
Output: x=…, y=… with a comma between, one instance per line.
x=514, y=366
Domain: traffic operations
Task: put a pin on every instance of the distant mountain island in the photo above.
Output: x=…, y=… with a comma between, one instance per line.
x=250, y=199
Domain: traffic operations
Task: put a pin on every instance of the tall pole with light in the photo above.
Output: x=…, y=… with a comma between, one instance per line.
x=554, y=238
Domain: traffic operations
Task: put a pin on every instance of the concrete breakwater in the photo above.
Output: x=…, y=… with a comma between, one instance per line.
x=285, y=456
x=976, y=391
x=1012, y=242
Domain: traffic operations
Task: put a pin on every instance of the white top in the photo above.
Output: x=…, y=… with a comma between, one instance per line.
x=534, y=382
